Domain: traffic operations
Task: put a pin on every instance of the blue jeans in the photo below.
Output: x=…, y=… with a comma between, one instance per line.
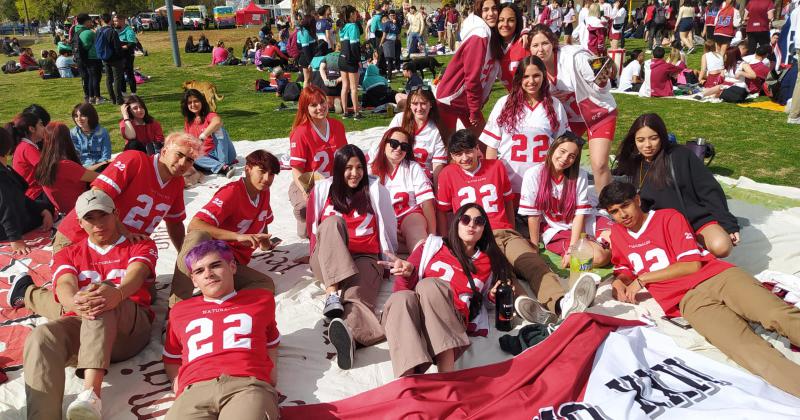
x=222, y=154
x=414, y=42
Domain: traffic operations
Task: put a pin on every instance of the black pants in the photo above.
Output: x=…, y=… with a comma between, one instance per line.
x=131, y=78
x=90, y=78
x=115, y=79
x=273, y=62
x=754, y=39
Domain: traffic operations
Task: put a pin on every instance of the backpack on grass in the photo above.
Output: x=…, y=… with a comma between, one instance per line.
x=291, y=92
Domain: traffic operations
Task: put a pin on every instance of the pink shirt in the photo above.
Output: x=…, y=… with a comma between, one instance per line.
x=195, y=128
x=218, y=55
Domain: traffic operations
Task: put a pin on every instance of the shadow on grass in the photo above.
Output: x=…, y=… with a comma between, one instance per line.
x=721, y=170
x=169, y=97
x=239, y=113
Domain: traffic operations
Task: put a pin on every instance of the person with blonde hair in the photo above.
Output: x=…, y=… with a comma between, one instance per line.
x=145, y=190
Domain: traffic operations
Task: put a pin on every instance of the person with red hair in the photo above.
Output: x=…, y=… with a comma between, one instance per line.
x=313, y=140
x=524, y=122
x=409, y=187
x=59, y=171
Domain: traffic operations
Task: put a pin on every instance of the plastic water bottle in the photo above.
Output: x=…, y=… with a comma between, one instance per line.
x=580, y=260
x=504, y=306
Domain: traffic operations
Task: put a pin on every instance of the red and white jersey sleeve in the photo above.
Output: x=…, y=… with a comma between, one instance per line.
x=443, y=265
x=312, y=151
x=91, y=263
x=488, y=186
x=231, y=335
x=142, y=198
x=429, y=148
x=554, y=221
x=362, y=230
x=232, y=209
x=409, y=187
x=525, y=145
x=664, y=239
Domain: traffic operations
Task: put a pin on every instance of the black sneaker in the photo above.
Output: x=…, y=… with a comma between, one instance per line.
x=16, y=293
x=343, y=342
x=333, y=307
x=358, y=116
x=347, y=115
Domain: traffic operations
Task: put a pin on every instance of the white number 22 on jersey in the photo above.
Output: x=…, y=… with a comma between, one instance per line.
x=488, y=197
x=205, y=328
x=144, y=211
x=656, y=258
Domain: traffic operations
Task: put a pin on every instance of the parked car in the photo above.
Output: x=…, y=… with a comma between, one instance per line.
x=149, y=21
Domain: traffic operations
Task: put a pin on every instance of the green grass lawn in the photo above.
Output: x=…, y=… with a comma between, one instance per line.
x=750, y=142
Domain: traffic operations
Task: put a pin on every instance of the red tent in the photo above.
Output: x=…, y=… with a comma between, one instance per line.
x=251, y=15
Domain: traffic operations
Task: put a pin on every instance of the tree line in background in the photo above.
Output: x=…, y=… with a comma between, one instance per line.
x=14, y=10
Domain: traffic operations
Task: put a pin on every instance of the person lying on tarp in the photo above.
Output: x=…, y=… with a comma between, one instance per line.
x=658, y=250
x=18, y=213
x=99, y=311
x=233, y=374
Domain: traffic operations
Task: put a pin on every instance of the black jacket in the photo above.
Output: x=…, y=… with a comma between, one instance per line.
x=18, y=213
x=703, y=198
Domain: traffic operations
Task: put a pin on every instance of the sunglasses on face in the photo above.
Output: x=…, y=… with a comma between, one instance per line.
x=420, y=87
x=465, y=220
x=394, y=144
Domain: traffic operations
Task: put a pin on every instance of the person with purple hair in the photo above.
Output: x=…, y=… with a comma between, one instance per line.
x=233, y=373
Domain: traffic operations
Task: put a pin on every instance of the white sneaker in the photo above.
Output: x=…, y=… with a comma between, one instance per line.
x=533, y=311
x=580, y=296
x=793, y=120
x=86, y=407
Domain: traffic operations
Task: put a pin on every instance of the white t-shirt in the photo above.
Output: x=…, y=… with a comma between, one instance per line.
x=527, y=145
x=634, y=68
x=584, y=204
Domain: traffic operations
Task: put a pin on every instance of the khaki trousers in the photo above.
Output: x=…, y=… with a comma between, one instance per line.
x=358, y=278
x=299, y=204
x=530, y=266
x=114, y=336
x=42, y=302
x=226, y=398
x=182, y=286
x=794, y=110
x=720, y=308
x=60, y=241
x=421, y=324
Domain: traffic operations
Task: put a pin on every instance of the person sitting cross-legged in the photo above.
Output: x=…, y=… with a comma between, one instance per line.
x=658, y=250
x=238, y=213
x=233, y=373
x=99, y=311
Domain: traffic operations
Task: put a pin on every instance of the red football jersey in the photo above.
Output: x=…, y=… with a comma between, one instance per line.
x=26, y=156
x=232, y=209
x=94, y=264
x=141, y=197
x=488, y=186
x=362, y=230
x=229, y=336
x=445, y=266
x=312, y=150
x=664, y=239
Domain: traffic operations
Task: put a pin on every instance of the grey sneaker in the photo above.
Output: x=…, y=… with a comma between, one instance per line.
x=230, y=171
x=15, y=298
x=333, y=307
x=579, y=297
x=533, y=311
x=86, y=407
x=342, y=341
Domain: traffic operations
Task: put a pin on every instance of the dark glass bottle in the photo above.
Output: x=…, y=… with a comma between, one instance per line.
x=504, y=306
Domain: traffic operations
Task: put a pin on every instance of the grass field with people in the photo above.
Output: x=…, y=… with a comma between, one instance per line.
x=750, y=142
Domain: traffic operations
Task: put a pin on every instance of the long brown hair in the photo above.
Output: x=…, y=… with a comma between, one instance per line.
x=569, y=190
x=408, y=123
x=486, y=244
x=310, y=94
x=515, y=105
x=57, y=146
x=495, y=42
x=380, y=163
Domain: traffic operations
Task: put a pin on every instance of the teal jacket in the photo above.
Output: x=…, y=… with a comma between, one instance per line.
x=372, y=78
x=86, y=36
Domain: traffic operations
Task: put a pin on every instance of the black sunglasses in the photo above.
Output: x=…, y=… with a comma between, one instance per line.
x=465, y=220
x=394, y=144
x=422, y=87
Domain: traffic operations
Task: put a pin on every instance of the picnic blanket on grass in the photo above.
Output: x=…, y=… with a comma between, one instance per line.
x=139, y=388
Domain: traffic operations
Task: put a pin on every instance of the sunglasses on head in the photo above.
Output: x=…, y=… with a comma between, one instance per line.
x=420, y=87
x=466, y=219
x=394, y=144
